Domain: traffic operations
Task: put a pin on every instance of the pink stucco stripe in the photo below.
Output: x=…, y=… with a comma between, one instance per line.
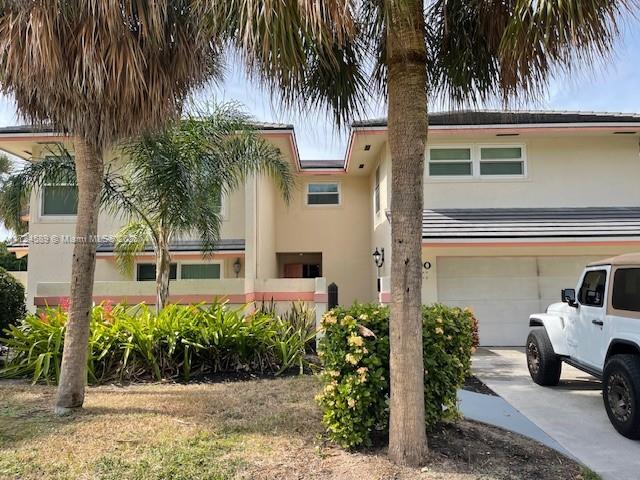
x=280, y=296
x=384, y=297
x=189, y=299
x=601, y=243
x=321, y=298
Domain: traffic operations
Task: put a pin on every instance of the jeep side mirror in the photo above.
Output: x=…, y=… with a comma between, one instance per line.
x=569, y=296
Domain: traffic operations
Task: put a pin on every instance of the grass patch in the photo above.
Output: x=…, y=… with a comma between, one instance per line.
x=257, y=429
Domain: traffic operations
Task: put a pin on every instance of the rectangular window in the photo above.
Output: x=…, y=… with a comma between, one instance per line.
x=592, y=291
x=376, y=191
x=198, y=271
x=497, y=161
x=450, y=162
x=626, y=290
x=146, y=272
x=59, y=200
x=323, y=194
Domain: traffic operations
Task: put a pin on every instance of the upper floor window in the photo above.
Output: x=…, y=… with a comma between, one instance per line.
x=59, y=200
x=501, y=161
x=450, y=161
x=477, y=161
x=323, y=194
x=376, y=191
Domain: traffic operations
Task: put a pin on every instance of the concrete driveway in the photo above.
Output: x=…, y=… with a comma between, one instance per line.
x=572, y=413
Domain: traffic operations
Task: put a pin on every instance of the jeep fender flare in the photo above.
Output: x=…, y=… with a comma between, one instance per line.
x=623, y=346
x=555, y=327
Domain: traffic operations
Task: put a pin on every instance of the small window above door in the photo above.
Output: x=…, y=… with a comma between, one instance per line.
x=319, y=194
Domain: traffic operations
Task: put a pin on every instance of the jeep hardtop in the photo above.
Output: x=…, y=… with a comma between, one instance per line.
x=596, y=328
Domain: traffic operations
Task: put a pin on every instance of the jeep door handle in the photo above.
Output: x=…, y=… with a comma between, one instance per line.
x=597, y=322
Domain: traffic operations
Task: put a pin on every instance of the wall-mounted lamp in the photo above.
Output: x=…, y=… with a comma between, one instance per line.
x=378, y=257
x=237, y=266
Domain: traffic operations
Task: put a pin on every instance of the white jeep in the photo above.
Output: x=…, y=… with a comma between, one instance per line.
x=597, y=331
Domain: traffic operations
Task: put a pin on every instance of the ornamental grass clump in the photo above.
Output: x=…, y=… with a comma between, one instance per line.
x=132, y=343
x=355, y=368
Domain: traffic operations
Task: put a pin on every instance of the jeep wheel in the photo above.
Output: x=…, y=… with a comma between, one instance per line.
x=544, y=365
x=621, y=393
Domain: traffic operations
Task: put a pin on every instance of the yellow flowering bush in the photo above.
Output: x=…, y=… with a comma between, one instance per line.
x=355, y=359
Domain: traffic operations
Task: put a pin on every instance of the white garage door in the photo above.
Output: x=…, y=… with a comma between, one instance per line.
x=504, y=291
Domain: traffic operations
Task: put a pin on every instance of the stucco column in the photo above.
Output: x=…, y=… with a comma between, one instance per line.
x=320, y=298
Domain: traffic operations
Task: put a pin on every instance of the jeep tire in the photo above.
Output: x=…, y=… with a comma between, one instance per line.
x=621, y=393
x=544, y=365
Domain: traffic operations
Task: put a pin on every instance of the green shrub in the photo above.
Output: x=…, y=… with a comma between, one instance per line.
x=355, y=368
x=133, y=343
x=12, y=306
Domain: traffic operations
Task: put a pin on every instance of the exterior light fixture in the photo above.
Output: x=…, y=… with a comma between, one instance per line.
x=378, y=257
x=237, y=266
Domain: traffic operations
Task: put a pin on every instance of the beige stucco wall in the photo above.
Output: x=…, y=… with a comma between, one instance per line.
x=50, y=251
x=578, y=171
x=341, y=233
x=381, y=237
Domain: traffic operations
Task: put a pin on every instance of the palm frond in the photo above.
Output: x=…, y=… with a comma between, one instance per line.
x=129, y=242
x=304, y=51
x=15, y=191
x=103, y=70
x=491, y=49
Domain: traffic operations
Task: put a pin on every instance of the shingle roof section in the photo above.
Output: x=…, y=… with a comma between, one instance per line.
x=531, y=223
x=224, y=245
x=501, y=117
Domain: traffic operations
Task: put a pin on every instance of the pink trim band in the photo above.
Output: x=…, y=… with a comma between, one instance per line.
x=384, y=297
x=188, y=299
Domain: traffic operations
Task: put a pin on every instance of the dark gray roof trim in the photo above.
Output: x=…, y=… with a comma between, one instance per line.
x=490, y=117
x=531, y=223
x=24, y=129
x=321, y=164
x=185, y=246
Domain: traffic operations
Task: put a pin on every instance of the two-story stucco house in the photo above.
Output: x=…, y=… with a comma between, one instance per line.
x=515, y=203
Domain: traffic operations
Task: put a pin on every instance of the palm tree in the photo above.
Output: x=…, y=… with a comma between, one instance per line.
x=101, y=71
x=412, y=51
x=173, y=183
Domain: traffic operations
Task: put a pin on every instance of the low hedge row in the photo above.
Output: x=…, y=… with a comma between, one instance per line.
x=134, y=343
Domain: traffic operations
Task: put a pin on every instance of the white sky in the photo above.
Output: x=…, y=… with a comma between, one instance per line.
x=611, y=88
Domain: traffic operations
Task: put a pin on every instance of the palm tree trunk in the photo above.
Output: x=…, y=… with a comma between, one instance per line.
x=407, y=124
x=163, y=272
x=73, y=375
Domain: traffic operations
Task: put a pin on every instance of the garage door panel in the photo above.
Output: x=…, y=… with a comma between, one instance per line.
x=504, y=291
x=570, y=266
x=505, y=323
x=456, y=267
x=472, y=289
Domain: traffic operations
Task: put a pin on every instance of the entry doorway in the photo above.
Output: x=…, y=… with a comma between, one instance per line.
x=299, y=265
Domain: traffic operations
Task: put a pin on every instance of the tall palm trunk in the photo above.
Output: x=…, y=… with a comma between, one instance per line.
x=407, y=124
x=163, y=272
x=73, y=375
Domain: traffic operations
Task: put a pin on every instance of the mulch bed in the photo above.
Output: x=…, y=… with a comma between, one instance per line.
x=474, y=384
